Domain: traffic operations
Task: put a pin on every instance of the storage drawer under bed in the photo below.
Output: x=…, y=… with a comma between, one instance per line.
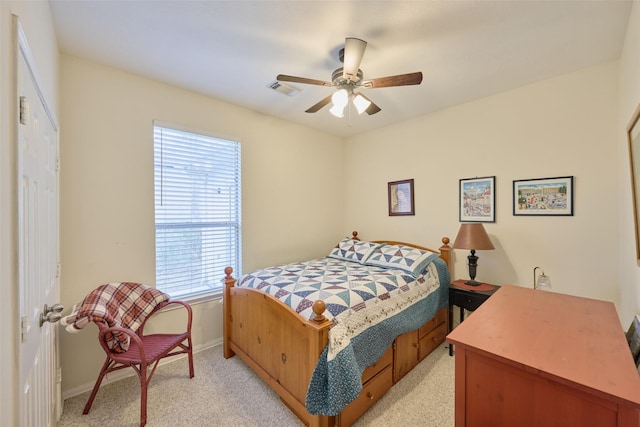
x=371, y=392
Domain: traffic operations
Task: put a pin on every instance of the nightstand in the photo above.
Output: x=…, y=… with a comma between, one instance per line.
x=467, y=297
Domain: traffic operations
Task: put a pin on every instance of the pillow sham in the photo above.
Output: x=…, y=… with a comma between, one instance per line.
x=353, y=250
x=412, y=260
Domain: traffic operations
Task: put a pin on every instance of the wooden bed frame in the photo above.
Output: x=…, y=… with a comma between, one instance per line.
x=283, y=348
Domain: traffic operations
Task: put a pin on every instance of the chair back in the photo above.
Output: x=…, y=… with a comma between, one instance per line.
x=125, y=305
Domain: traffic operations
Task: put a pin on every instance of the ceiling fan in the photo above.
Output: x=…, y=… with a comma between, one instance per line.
x=348, y=78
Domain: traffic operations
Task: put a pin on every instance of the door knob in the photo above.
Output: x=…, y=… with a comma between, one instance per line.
x=55, y=308
x=51, y=314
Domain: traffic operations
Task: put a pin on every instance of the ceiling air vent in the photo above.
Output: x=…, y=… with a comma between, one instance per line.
x=283, y=88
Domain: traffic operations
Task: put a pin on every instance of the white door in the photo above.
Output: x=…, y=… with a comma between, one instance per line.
x=38, y=237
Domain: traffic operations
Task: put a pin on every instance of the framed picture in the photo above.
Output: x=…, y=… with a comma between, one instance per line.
x=401, y=198
x=633, y=339
x=543, y=196
x=478, y=199
x=633, y=135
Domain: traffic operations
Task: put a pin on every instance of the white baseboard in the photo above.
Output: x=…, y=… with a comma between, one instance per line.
x=124, y=373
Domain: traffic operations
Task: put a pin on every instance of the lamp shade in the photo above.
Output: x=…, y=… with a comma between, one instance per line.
x=361, y=103
x=340, y=98
x=472, y=236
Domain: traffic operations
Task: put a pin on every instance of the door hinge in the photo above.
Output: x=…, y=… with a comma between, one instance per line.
x=24, y=328
x=24, y=110
x=59, y=375
x=58, y=270
x=57, y=164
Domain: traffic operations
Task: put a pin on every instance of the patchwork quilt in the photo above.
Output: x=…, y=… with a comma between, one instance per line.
x=369, y=305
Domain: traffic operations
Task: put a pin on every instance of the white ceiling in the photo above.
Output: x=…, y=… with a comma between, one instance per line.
x=232, y=50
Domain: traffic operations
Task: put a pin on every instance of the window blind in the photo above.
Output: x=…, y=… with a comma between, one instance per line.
x=197, y=210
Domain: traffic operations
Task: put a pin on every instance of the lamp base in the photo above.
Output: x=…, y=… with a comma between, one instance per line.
x=472, y=283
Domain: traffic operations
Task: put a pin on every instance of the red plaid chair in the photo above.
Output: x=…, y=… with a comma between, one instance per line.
x=121, y=310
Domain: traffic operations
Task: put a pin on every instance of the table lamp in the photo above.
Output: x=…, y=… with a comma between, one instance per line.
x=472, y=236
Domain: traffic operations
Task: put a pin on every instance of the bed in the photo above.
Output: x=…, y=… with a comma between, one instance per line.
x=332, y=335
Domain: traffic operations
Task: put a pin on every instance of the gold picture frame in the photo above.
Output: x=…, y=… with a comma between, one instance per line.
x=633, y=136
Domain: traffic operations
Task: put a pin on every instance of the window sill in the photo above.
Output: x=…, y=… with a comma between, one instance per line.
x=197, y=299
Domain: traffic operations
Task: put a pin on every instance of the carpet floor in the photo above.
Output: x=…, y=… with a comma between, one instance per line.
x=226, y=392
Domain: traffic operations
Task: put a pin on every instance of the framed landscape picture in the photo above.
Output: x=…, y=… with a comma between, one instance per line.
x=478, y=199
x=543, y=196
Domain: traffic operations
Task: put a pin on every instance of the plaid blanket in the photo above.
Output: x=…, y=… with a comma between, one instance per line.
x=124, y=304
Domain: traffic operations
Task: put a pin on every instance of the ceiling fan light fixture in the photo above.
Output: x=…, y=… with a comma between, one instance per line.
x=361, y=103
x=340, y=98
x=337, y=111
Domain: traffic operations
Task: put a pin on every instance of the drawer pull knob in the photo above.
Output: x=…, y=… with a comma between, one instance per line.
x=370, y=396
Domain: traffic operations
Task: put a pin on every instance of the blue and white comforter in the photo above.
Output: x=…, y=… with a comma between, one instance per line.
x=369, y=306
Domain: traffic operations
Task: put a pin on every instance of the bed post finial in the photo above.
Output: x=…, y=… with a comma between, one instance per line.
x=445, y=251
x=318, y=308
x=355, y=235
x=228, y=278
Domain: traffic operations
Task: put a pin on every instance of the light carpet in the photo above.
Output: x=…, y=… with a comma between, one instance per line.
x=227, y=392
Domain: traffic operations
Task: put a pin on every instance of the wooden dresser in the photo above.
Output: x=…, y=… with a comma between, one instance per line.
x=535, y=358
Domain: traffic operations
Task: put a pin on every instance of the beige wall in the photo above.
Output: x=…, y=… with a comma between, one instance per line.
x=35, y=19
x=292, y=177
x=629, y=278
x=558, y=127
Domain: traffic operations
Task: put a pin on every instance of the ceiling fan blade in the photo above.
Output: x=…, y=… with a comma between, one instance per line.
x=353, y=52
x=314, y=108
x=294, y=79
x=399, y=80
x=372, y=108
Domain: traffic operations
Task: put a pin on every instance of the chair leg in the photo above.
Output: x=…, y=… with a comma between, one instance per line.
x=190, y=355
x=96, y=387
x=143, y=396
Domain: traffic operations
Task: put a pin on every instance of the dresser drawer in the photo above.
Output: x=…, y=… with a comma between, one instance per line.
x=469, y=300
x=371, y=392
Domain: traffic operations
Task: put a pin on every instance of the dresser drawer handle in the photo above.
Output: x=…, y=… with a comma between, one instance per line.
x=370, y=395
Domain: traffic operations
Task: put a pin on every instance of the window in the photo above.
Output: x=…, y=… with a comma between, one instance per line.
x=197, y=210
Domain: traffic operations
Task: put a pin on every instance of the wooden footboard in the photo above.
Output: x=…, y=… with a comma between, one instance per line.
x=283, y=348
x=276, y=343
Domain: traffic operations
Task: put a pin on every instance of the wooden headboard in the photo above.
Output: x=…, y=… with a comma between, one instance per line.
x=444, y=251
